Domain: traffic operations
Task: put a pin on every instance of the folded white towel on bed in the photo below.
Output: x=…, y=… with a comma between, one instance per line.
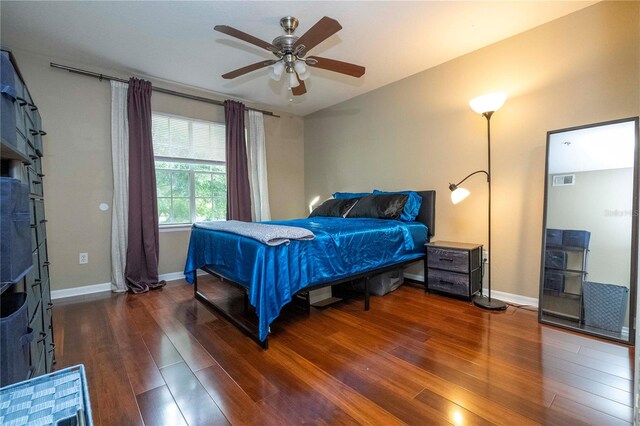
x=272, y=235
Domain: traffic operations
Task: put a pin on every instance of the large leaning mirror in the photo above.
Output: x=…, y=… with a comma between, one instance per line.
x=590, y=236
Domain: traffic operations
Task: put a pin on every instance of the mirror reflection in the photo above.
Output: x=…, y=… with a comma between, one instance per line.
x=586, y=280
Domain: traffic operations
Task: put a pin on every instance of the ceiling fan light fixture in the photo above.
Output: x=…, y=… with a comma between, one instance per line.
x=293, y=80
x=300, y=67
x=276, y=70
x=305, y=75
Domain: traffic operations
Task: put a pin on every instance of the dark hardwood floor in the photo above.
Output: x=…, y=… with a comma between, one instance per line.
x=162, y=358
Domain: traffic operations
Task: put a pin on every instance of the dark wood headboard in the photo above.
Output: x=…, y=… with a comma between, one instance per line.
x=427, y=214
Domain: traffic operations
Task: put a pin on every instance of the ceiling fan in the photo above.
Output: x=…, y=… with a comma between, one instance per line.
x=290, y=51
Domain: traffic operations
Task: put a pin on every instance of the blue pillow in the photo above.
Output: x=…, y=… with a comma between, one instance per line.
x=338, y=195
x=411, y=209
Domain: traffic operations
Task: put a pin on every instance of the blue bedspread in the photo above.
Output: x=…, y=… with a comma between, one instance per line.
x=342, y=247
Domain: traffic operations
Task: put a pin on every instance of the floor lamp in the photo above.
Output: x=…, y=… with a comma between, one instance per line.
x=485, y=105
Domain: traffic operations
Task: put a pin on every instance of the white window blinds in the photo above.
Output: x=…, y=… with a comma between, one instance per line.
x=181, y=139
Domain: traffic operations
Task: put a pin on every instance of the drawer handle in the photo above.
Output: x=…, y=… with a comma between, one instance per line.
x=446, y=259
x=34, y=132
x=47, y=263
x=42, y=133
x=53, y=347
x=43, y=336
x=33, y=107
x=36, y=182
x=44, y=221
x=447, y=282
x=50, y=305
x=34, y=226
x=40, y=175
x=35, y=283
x=22, y=101
x=33, y=157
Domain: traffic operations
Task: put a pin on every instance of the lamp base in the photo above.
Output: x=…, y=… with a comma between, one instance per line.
x=490, y=304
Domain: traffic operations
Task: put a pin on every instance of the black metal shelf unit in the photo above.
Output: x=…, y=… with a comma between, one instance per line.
x=21, y=153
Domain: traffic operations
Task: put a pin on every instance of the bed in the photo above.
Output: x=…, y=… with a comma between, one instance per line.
x=344, y=249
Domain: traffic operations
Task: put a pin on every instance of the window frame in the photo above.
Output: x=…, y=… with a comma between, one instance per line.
x=168, y=227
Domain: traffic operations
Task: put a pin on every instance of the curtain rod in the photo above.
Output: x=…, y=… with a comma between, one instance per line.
x=154, y=88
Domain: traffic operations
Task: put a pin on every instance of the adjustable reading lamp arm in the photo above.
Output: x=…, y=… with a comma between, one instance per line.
x=453, y=187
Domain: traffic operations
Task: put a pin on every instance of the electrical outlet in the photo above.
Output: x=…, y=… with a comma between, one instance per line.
x=84, y=258
x=485, y=256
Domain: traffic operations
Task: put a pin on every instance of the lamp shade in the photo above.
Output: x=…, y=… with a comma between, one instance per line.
x=313, y=203
x=490, y=102
x=458, y=195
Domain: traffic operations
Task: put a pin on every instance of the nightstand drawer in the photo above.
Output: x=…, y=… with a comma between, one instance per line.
x=448, y=282
x=451, y=260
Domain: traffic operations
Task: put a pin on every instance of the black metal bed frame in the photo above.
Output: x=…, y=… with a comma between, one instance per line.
x=253, y=333
x=426, y=216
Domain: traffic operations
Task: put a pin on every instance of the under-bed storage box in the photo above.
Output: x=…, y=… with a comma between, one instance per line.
x=386, y=283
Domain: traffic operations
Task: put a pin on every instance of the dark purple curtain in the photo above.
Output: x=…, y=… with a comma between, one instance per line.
x=238, y=193
x=141, y=270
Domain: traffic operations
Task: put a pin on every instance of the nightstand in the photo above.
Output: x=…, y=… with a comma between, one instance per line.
x=453, y=268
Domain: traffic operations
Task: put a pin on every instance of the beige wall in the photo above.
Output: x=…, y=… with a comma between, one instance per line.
x=419, y=132
x=590, y=205
x=76, y=113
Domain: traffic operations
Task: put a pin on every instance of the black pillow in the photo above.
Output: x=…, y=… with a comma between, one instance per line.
x=334, y=208
x=383, y=206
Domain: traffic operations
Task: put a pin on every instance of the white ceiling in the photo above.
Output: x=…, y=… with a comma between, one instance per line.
x=175, y=41
x=593, y=148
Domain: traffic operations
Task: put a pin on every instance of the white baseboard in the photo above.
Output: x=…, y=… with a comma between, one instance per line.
x=80, y=291
x=516, y=299
x=99, y=288
x=172, y=276
x=505, y=297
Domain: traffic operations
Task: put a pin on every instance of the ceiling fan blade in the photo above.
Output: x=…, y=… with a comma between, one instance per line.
x=336, y=66
x=225, y=29
x=300, y=89
x=247, y=69
x=322, y=30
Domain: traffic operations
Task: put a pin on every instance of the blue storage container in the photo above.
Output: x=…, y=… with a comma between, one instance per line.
x=58, y=398
x=554, y=238
x=15, y=336
x=556, y=259
x=553, y=280
x=15, y=230
x=605, y=305
x=577, y=239
x=7, y=100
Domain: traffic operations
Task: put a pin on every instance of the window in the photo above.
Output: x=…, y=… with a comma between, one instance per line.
x=190, y=169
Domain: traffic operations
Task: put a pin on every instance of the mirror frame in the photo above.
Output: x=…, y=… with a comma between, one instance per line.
x=634, y=234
